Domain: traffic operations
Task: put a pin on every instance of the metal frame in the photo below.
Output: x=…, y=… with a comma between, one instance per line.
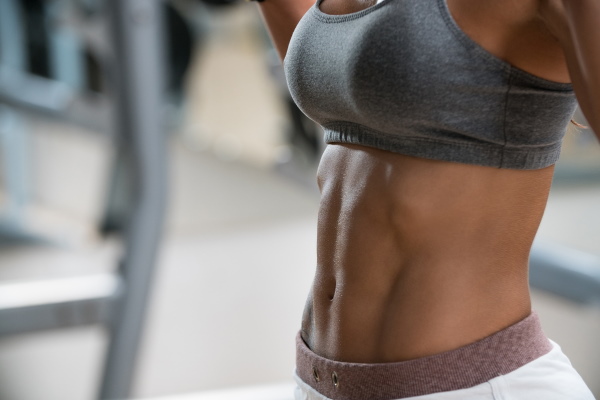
x=566, y=272
x=57, y=303
x=118, y=301
x=136, y=26
x=54, y=98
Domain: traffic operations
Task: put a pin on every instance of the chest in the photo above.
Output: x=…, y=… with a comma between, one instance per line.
x=509, y=29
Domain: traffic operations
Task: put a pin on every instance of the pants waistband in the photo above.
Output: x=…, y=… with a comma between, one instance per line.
x=462, y=368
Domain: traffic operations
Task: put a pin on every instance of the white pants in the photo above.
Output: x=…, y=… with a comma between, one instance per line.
x=549, y=377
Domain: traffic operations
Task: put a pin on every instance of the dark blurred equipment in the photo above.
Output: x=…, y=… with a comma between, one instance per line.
x=61, y=48
x=33, y=12
x=219, y=3
x=66, y=57
x=180, y=43
x=124, y=36
x=44, y=23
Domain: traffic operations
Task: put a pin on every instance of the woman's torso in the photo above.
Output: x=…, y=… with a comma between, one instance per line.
x=417, y=256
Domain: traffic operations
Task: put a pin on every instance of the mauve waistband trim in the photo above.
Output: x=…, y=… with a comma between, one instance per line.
x=465, y=367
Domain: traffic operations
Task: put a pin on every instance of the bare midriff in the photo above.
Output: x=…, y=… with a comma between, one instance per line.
x=417, y=257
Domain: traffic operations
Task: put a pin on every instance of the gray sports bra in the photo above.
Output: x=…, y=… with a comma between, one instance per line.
x=402, y=76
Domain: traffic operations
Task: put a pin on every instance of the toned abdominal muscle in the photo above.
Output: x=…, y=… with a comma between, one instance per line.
x=416, y=257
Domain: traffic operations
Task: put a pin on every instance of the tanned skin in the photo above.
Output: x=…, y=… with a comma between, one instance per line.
x=417, y=257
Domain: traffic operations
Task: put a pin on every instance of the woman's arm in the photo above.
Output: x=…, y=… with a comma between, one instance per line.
x=576, y=24
x=281, y=18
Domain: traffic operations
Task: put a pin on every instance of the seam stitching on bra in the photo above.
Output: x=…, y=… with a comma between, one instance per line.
x=374, y=132
x=332, y=125
x=467, y=42
x=471, y=44
x=504, y=130
x=335, y=18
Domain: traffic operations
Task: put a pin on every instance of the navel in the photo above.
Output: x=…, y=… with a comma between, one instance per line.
x=331, y=294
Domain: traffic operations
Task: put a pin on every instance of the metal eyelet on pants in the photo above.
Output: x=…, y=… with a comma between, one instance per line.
x=316, y=374
x=335, y=380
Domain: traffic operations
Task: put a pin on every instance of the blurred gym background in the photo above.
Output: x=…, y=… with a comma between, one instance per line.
x=158, y=208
